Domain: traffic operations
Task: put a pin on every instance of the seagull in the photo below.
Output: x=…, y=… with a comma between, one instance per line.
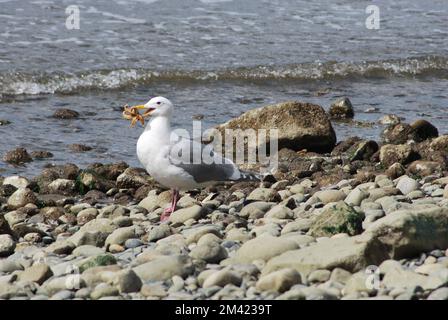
x=158, y=151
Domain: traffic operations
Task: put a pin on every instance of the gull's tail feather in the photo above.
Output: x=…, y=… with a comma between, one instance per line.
x=249, y=176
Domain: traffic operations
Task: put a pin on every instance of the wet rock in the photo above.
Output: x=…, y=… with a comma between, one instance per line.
x=21, y=197
x=17, y=156
x=403, y=154
x=423, y=130
x=341, y=109
x=338, y=218
x=76, y=147
x=424, y=168
x=389, y=119
x=279, y=281
x=62, y=186
x=41, y=154
x=132, y=178
x=109, y=171
x=397, y=134
x=300, y=125
x=395, y=170
x=7, y=190
x=65, y=114
x=89, y=180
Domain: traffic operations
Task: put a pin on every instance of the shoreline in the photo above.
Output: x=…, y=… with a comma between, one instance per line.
x=310, y=231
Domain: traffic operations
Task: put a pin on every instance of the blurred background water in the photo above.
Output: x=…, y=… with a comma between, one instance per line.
x=216, y=58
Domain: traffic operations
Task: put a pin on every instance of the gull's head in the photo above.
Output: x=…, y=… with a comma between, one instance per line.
x=159, y=107
x=156, y=107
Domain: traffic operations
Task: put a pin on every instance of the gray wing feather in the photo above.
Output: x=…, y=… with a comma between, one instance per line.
x=201, y=172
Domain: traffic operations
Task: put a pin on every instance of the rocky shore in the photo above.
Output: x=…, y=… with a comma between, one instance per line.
x=365, y=220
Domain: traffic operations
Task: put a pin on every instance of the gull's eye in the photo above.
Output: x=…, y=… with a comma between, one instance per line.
x=158, y=102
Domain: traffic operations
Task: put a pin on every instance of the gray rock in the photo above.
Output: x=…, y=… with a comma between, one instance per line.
x=133, y=243
x=341, y=109
x=300, y=125
x=319, y=276
x=194, y=212
x=256, y=209
x=406, y=185
x=120, y=235
x=222, y=278
x=327, y=196
x=21, y=197
x=439, y=294
x=127, y=281
x=264, y=194
x=62, y=186
x=17, y=181
x=164, y=267
x=7, y=245
x=9, y=265
x=38, y=273
x=337, y=218
x=407, y=233
x=351, y=254
x=63, y=295
x=355, y=197
x=279, y=281
x=263, y=248
x=209, y=249
x=159, y=232
x=103, y=290
x=87, y=251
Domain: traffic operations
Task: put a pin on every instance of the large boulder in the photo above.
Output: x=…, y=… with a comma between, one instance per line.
x=300, y=125
x=402, y=153
x=408, y=232
x=351, y=254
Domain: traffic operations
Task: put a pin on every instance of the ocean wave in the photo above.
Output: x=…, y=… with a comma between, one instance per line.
x=17, y=83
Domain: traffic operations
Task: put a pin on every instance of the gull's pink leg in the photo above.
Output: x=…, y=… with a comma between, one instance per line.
x=167, y=212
